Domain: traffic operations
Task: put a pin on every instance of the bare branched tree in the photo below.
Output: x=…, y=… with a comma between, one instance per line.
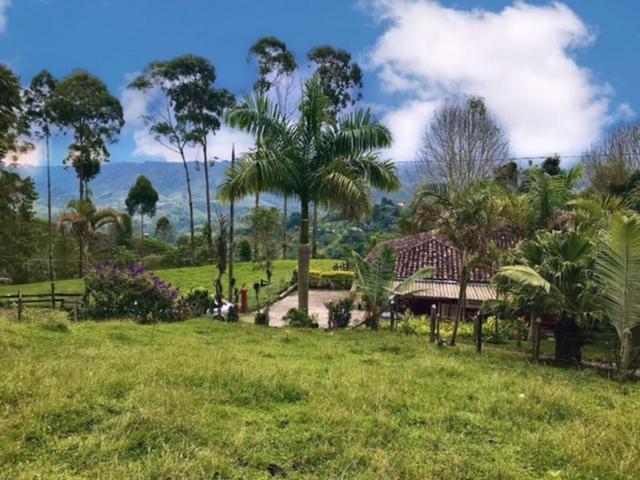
x=463, y=143
x=609, y=162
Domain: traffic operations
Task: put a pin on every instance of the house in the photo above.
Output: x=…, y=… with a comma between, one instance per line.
x=442, y=289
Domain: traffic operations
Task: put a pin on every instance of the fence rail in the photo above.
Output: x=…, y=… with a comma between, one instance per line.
x=69, y=301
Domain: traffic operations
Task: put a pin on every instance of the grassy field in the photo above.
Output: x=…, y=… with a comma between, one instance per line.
x=203, y=399
x=187, y=278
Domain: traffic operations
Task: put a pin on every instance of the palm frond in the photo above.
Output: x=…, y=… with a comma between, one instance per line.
x=617, y=272
x=525, y=275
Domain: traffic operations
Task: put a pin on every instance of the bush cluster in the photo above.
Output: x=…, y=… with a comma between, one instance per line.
x=300, y=319
x=116, y=292
x=198, y=302
x=340, y=312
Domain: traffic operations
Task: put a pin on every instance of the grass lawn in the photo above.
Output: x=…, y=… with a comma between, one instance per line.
x=188, y=278
x=203, y=399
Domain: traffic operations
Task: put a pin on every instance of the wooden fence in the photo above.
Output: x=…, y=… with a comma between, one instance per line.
x=69, y=301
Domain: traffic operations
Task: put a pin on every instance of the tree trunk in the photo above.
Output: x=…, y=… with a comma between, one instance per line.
x=569, y=341
x=626, y=353
x=49, y=224
x=231, y=226
x=190, y=198
x=462, y=299
x=256, y=255
x=303, y=258
x=314, y=240
x=81, y=257
x=284, y=230
x=208, y=198
x=141, y=239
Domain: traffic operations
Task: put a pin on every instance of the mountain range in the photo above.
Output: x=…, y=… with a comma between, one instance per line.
x=111, y=186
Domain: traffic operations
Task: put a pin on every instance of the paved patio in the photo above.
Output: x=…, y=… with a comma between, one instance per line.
x=317, y=299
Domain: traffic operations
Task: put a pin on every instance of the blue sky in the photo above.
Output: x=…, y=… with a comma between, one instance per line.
x=555, y=75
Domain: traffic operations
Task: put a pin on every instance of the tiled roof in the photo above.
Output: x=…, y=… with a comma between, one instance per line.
x=430, y=249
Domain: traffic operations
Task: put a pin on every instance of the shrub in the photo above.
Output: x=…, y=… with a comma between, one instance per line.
x=507, y=330
x=300, y=319
x=115, y=292
x=198, y=302
x=420, y=325
x=340, y=312
x=262, y=318
x=331, y=279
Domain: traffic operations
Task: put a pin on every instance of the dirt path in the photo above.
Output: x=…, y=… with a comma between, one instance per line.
x=317, y=299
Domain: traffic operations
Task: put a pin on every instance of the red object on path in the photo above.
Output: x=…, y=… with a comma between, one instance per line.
x=244, y=300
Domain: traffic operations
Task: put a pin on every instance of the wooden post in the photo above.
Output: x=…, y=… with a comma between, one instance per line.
x=478, y=329
x=75, y=311
x=536, y=339
x=62, y=304
x=432, y=323
x=53, y=295
x=20, y=306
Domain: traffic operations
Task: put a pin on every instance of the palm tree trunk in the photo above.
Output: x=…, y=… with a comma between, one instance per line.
x=190, y=198
x=303, y=258
x=141, y=239
x=569, y=341
x=49, y=225
x=462, y=299
x=626, y=351
x=284, y=229
x=208, y=195
x=314, y=232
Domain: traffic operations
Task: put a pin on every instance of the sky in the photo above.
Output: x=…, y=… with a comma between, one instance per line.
x=556, y=75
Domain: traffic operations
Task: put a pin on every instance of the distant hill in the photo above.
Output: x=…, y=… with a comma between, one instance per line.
x=110, y=188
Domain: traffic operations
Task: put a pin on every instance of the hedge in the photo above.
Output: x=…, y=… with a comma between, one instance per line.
x=331, y=279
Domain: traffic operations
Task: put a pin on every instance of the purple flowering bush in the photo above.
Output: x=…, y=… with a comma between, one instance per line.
x=117, y=292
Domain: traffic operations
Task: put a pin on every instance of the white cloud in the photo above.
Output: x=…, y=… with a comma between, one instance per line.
x=4, y=5
x=407, y=124
x=33, y=157
x=219, y=146
x=519, y=59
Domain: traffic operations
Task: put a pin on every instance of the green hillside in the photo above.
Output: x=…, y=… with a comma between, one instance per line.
x=190, y=277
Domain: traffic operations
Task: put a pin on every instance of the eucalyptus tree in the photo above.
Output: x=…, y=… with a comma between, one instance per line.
x=340, y=77
x=469, y=218
x=463, y=143
x=41, y=121
x=276, y=75
x=316, y=159
x=164, y=229
x=341, y=81
x=13, y=123
x=198, y=106
x=83, y=221
x=82, y=105
x=142, y=199
x=169, y=129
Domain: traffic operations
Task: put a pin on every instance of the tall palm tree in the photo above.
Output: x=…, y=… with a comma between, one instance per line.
x=373, y=282
x=333, y=163
x=83, y=221
x=617, y=274
x=468, y=218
